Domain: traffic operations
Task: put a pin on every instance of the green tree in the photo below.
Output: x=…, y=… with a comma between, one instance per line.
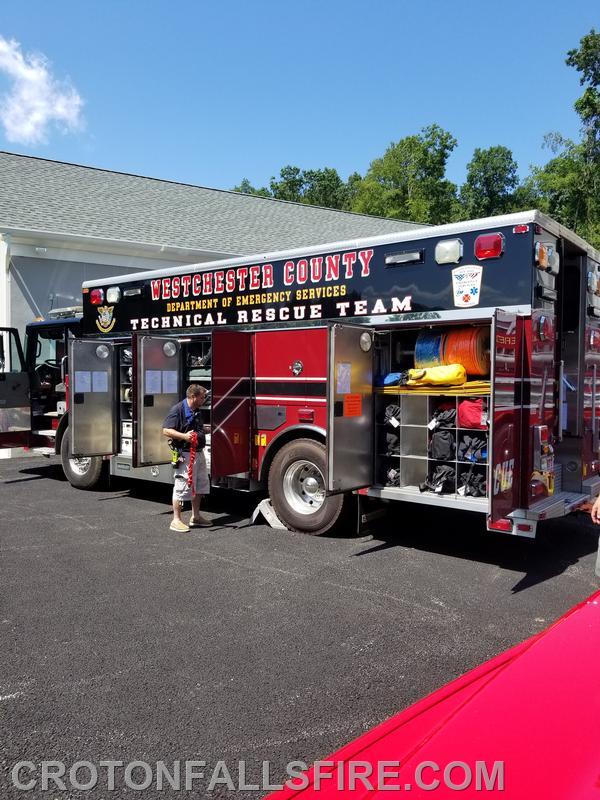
x=319, y=187
x=568, y=186
x=352, y=186
x=586, y=60
x=408, y=181
x=324, y=187
x=290, y=185
x=246, y=187
x=490, y=183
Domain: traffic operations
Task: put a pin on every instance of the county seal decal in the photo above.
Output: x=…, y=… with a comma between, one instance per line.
x=105, y=321
x=466, y=285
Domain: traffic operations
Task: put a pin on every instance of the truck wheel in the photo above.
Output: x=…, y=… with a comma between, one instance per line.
x=297, y=488
x=82, y=473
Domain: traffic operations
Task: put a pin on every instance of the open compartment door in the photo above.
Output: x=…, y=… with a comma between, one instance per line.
x=156, y=389
x=15, y=407
x=231, y=421
x=505, y=410
x=92, y=398
x=350, y=409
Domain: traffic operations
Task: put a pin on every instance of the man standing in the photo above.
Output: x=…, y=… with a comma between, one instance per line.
x=182, y=421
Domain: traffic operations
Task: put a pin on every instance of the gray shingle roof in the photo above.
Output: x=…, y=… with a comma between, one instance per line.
x=60, y=198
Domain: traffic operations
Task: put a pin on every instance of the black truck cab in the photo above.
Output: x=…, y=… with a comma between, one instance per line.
x=32, y=382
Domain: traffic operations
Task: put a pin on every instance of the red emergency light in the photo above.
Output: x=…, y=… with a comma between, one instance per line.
x=504, y=525
x=489, y=245
x=96, y=297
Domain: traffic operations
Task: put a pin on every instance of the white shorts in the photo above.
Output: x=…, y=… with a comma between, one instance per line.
x=181, y=490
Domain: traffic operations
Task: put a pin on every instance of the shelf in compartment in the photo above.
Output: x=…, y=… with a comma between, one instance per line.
x=414, y=495
x=429, y=391
x=472, y=463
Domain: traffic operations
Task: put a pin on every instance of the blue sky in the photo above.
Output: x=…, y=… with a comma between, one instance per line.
x=209, y=93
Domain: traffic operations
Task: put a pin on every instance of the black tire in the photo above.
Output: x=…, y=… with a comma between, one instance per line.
x=295, y=458
x=76, y=476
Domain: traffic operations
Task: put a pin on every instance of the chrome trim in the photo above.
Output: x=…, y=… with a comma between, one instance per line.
x=406, y=494
x=561, y=375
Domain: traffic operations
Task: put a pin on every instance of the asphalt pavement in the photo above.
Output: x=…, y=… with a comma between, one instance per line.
x=122, y=640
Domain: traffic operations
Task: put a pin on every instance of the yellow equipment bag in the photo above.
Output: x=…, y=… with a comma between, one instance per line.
x=451, y=375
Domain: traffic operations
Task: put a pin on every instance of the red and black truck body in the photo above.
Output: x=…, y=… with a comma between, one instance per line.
x=294, y=346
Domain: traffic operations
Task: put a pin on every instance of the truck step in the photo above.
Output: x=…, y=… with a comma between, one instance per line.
x=557, y=505
x=44, y=451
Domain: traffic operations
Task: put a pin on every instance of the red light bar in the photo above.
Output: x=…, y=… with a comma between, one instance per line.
x=96, y=297
x=520, y=228
x=489, y=245
x=504, y=525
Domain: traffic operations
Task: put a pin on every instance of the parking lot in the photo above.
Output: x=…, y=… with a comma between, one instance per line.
x=123, y=640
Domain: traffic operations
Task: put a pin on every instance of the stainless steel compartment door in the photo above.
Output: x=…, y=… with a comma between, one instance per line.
x=231, y=403
x=350, y=409
x=92, y=397
x=15, y=408
x=506, y=408
x=156, y=389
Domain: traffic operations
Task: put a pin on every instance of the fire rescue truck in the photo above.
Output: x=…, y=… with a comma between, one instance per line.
x=323, y=367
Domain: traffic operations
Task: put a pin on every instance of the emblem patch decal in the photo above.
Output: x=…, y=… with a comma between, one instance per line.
x=105, y=321
x=466, y=286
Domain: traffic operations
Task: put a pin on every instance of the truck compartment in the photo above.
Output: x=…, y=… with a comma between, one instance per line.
x=429, y=447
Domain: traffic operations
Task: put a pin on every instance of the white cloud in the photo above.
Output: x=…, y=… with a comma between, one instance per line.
x=35, y=99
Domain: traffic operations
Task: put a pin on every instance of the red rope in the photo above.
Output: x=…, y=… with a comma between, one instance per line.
x=193, y=450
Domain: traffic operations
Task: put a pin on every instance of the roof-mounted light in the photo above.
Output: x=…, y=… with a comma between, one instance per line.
x=113, y=295
x=449, y=251
x=405, y=257
x=489, y=245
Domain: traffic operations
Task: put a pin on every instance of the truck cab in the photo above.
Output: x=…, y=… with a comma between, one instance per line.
x=33, y=381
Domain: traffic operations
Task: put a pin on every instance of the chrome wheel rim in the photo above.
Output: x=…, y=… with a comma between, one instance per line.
x=304, y=487
x=80, y=465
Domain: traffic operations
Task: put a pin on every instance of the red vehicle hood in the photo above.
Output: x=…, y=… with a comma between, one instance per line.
x=535, y=707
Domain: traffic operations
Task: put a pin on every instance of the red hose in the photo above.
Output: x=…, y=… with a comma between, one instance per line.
x=467, y=346
x=193, y=451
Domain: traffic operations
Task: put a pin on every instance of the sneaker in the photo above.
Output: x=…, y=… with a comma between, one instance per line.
x=199, y=522
x=178, y=526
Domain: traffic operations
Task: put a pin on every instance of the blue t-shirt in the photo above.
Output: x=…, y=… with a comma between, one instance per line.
x=181, y=418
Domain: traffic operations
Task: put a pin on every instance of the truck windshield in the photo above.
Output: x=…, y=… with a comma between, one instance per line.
x=45, y=351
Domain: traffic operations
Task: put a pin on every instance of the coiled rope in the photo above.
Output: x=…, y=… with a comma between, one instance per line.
x=428, y=350
x=466, y=346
